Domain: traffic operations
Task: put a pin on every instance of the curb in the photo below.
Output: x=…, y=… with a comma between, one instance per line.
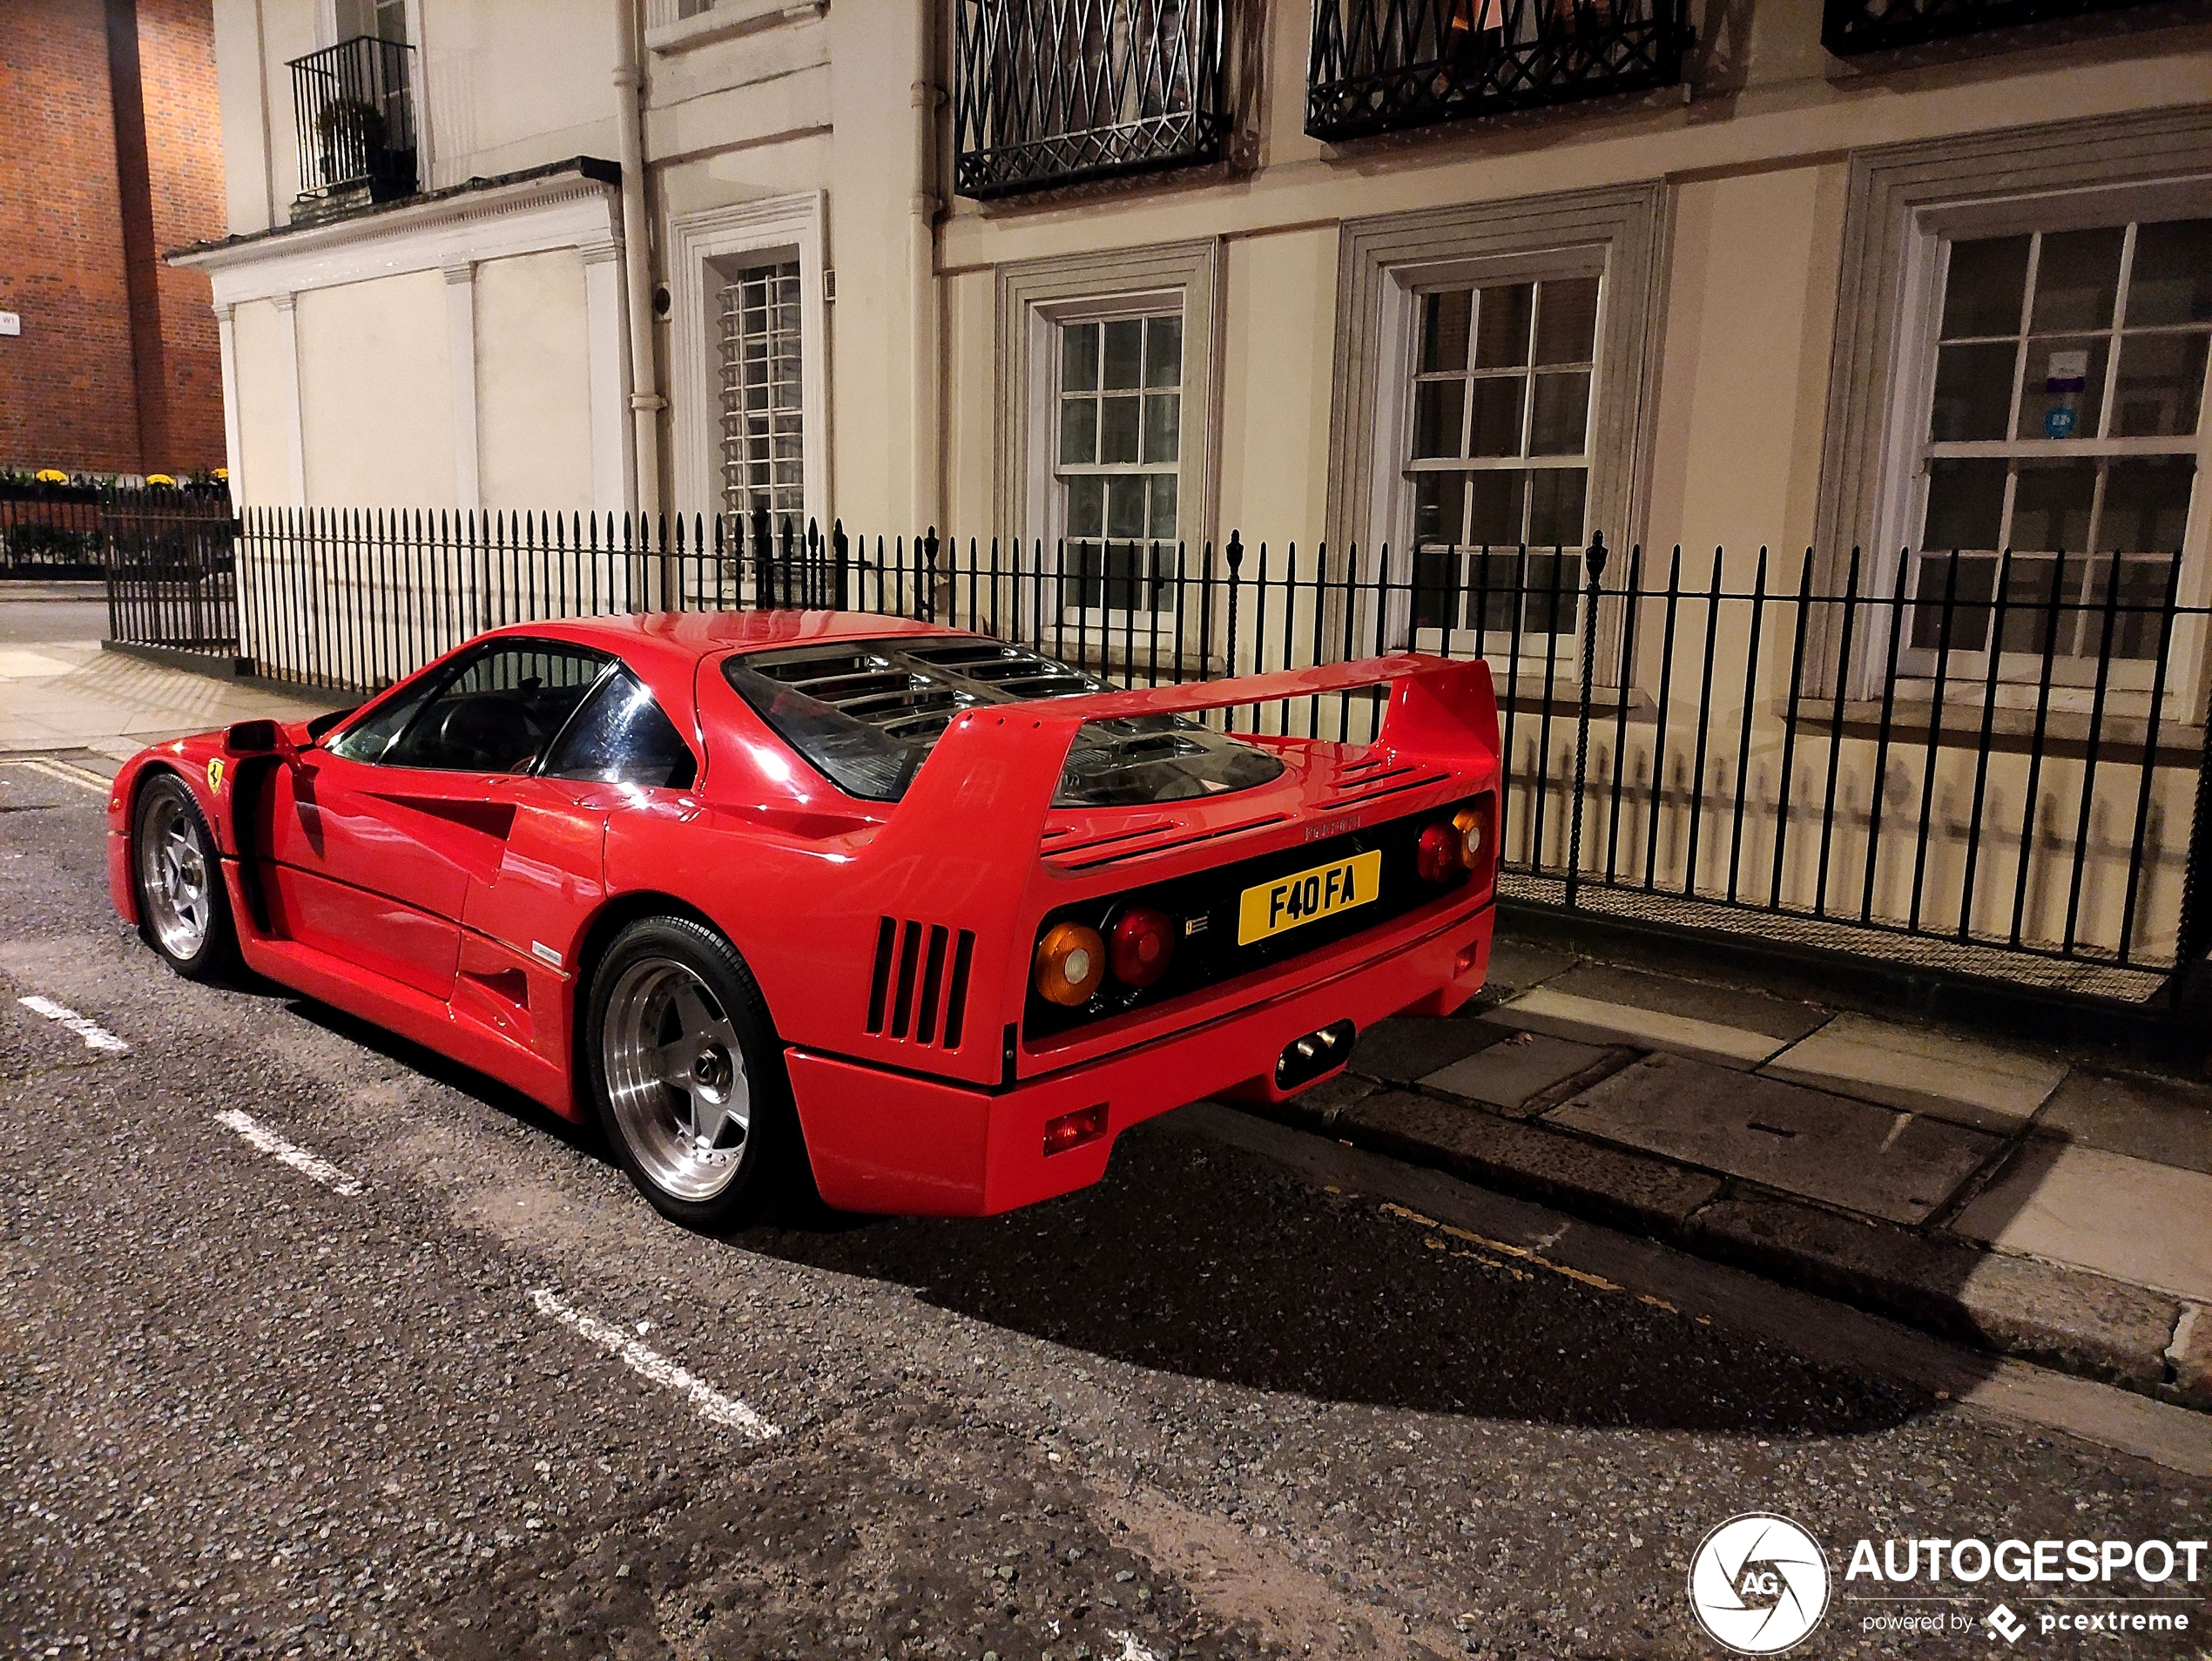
x=2073, y=1320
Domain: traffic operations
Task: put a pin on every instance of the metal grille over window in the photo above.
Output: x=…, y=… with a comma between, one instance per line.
x=762, y=451
x=1504, y=376
x=1051, y=92
x=1119, y=447
x=1378, y=65
x=2061, y=448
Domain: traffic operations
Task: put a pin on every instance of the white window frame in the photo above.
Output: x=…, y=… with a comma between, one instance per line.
x=1903, y=491
x=418, y=82
x=702, y=246
x=1034, y=298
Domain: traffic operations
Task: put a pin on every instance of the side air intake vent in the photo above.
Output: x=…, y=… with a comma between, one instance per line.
x=914, y=985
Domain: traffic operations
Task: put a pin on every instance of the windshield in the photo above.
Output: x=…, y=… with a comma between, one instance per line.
x=866, y=713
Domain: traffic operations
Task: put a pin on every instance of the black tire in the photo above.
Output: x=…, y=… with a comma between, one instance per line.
x=730, y=1176
x=183, y=903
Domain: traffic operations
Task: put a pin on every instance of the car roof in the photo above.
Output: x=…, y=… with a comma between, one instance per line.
x=676, y=638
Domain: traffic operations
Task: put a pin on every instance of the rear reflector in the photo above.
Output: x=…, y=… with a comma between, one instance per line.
x=1072, y=1129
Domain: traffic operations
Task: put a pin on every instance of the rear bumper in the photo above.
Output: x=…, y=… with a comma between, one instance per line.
x=881, y=1141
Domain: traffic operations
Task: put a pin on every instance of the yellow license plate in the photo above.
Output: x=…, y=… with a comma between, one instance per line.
x=1306, y=896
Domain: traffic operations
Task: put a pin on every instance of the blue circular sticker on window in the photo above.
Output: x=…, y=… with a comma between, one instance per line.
x=2058, y=423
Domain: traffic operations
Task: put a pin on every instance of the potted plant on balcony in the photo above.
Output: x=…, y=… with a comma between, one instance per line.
x=351, y=132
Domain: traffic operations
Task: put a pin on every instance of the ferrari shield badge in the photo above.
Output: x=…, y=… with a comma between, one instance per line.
x=215, y=772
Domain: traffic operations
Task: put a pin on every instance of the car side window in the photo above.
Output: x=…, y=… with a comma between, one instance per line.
x=622, y=736
x=369, y=739
x=496, y=711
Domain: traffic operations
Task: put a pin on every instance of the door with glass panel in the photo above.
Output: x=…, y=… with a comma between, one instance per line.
x=2061, y=449
x=1116, y=472
x=1498, y=462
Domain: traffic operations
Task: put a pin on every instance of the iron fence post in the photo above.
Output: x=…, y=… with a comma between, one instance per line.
x=1593, y=563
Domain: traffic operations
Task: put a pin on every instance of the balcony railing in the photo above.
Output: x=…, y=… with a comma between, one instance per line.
x=354, y=107
x=1378, y=65
x=1851, y=26
x=1057, y=91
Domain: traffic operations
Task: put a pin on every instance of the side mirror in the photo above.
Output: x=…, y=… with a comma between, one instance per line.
x=257, y=738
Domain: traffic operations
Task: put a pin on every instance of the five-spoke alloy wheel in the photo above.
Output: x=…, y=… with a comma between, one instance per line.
x=686, y=1071
x=184, y=909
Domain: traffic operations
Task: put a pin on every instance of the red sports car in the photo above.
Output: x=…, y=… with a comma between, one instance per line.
x=932, y=914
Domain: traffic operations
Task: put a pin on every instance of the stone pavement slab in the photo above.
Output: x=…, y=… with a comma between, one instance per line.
x=2166, y=1120
x=1403, y=1048
x=1611, y=1182
x=1564, y=1014
x=1829, y=1148
x=1920, y=1071
x=1516, y=966
x=2150, y=1224
x=70, y=695
x=1723, y=1006
x=1507, y=1074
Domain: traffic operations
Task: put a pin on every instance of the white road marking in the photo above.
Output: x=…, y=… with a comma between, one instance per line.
x=95, y=1037
x=1133, y=1648
x=652, y=1364
x=298, y=1158
x=68, y=773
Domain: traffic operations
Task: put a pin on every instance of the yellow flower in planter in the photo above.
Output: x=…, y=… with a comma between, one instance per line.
x=159, y=478
x=221, y=475
x=52, y=475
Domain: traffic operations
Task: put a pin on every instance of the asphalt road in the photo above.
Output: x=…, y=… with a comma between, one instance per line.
x=458, y=1393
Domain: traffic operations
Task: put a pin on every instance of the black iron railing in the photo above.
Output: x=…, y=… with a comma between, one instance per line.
x=1055, y=92
x=354, y=112
x=1718, y=745
x=1378, y=65
x=1851, y=26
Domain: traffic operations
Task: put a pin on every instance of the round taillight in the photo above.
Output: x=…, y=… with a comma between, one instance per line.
x=1436, y=852
x=1140, y=946
x=1468, y=822
x=1070, y=962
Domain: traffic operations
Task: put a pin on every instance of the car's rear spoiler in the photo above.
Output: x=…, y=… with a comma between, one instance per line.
x=963, y=842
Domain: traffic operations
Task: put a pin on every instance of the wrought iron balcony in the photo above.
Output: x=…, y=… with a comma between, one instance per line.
x=1378, y=65
x=1056, y=91
x=1852, y=26
x=353, y=108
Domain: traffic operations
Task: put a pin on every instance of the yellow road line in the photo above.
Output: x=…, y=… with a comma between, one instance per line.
x=1519, y=1253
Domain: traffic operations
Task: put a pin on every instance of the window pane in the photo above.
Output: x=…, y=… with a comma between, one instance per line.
x=1440, y=507
x=2171, y=280
x=1982, y=294
x=1556, y=507
x=2139, y=602
x=1561, y=413
x=1079, y=430
x=622, y=737
x=1079, y=357
x=1125, y=506
x=1965, y=504
x=1498, y=497
x=1162, y=524
x=2160, y=387
x=1567, y=321
x=2077, y=278
x=1117, y=428
x=1973, y=393
x=1086, y=505
x=1434, y=588
x=1163, y=351
x=499, y=712
x=1163, y=426
x=2147, y=504
x=1501, y=327
x=1436, y=417
x=1445, y=319
x=1951, y=597
x=2051, y=505
x=1497, y=415
x=1123, y=356
x=2065, y=388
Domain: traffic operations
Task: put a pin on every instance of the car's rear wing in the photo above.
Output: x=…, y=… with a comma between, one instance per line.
x=960, y=854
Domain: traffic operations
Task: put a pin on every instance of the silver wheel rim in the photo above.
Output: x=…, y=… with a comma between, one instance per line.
x=176, y=877
x=676, y=1077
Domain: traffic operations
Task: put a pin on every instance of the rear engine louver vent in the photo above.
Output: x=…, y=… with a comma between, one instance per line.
x=914, y=984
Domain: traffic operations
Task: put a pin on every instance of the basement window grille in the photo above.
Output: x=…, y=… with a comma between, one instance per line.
x=763, y=424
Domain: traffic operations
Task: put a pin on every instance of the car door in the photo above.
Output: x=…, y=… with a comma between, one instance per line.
x=524, y=917
x=374, y=837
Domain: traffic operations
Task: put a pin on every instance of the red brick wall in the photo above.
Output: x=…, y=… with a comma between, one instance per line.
x=71, y=385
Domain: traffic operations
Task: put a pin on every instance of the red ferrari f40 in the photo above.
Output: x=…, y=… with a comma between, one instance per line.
x=925, y=917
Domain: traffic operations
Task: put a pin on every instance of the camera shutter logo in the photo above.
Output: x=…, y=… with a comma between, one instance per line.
x=1758, y=1583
